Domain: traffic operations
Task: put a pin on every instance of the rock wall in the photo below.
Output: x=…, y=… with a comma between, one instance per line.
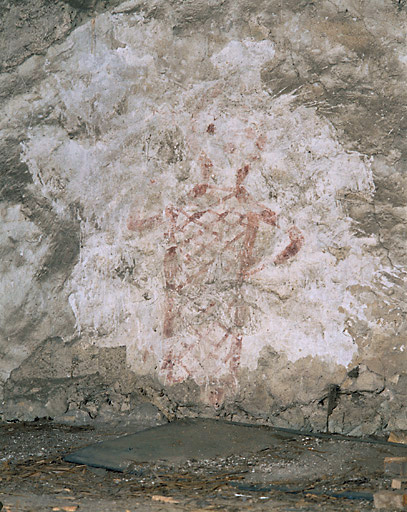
x=204, y=211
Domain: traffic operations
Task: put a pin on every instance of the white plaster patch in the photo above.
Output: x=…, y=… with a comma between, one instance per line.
x=244, y=59
x=209, y=226
x=243, y=55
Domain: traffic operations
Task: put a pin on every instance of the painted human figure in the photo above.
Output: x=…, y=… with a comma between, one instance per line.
x=211, y=253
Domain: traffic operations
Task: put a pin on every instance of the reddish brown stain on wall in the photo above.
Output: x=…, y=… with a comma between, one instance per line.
x=169, y=316
x=199, y=190
x=246, y=254
x=241, y=175
x=269, y=217
x=297, y=241
x=261, y=142
x=172, y=361
x=195, y=239
x=211, y=129
x=136, y=224
x=206, y=167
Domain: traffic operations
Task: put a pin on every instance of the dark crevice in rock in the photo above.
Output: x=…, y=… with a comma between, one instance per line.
x=14, y=174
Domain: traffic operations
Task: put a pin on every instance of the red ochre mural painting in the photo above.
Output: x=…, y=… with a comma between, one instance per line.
x=210, y=255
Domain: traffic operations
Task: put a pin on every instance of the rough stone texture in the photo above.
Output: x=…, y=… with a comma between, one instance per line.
x=204, y=208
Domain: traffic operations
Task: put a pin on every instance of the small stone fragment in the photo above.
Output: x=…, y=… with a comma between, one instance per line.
x=392, y=500
x=399, y=483
x=395, y=466
x=69, y=508
x=164, y=499
x=398, y=437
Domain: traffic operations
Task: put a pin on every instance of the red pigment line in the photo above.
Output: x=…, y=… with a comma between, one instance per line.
x=198, y=333
x=222, y=199
x=240, y=220
x=233, y=240
x=212, y=214
x=169, y=316
x=255, y=271
x=246, y=255
x=206, y=166
x=222, y=340
x=195, y=330
x=242, y=195
x=241, y=175
x=206, y=225
x=201, y=269
x=134, y=224
x=170, y=361
x=269, y=217
x=199, y=190
x=297, y=241
x=232, y=193
x=234, y=352
x=221, y=216
x=215, y=217
x=171, y=267
x=202, y=188
x=192, y=218
x=227, y=330
x=192, y=278
x=261, y=142
x=188, y=258
x=172, y=215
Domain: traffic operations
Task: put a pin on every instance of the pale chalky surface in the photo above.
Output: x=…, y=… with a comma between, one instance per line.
x=212, y=197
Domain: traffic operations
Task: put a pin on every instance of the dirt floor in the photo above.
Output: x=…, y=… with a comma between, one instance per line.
x=301, y=472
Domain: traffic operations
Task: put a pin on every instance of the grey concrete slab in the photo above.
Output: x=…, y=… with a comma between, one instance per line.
x=177, y=442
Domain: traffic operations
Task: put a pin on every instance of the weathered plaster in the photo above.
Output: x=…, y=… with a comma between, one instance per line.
x=227, y=215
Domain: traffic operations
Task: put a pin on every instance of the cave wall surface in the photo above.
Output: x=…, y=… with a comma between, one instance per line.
x=203, y=211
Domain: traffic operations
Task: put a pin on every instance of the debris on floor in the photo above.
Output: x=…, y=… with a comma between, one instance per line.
x=396, y=497
x=398, y=437
x=271, y=469
x=395, y=466
x=390, y=500
x=399, y=483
